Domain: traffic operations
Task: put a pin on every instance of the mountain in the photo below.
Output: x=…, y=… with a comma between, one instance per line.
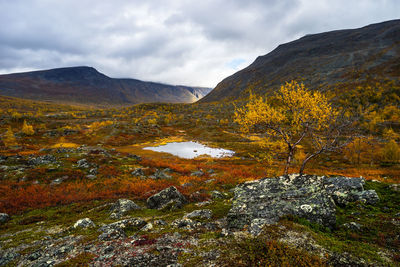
x=337, y=59
x=85, y=85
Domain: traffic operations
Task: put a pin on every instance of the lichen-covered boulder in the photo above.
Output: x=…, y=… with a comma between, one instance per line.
x=122, y=207
x=257, y=203
x=84, y=223
x=169, y=198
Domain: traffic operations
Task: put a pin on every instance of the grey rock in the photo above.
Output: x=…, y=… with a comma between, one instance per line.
x=112, y=234
x=167, y=198
x=310, y=197
x=131, y=223
x=4, y=217
x=209, y=181
x=368, y=197
x=35, y=255
x=186, y=224
x=198, y=173
x=137, y=172
x=202, y=214
x=83, y=163
x=217, y=195
x=395, y=187
x=160, y=222
x=42, y=160
x=8, y=257
x=91, y=177
x=353, y=226
x=160, y=175
x=84, y=223
x=122, y=207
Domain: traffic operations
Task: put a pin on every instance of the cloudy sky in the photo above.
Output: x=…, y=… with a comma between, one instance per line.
x=191, y=42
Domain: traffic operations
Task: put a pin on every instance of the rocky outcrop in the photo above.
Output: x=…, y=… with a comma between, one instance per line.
x=257, y=203
x=122, y=207
x=169, y=198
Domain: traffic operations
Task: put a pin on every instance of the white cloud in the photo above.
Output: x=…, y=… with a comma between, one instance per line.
x=177, y=42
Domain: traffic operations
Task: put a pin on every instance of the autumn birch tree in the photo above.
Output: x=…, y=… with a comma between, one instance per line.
x=293, y=114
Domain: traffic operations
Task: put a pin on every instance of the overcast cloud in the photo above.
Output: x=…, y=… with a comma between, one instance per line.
x=197, y=42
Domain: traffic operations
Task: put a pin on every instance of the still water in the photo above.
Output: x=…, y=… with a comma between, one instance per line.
x=190, y=150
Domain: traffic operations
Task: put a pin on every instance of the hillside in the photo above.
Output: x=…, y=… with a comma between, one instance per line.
x=337, y=59
x=85, y=85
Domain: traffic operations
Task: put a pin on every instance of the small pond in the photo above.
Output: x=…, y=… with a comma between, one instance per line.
x=190, y=150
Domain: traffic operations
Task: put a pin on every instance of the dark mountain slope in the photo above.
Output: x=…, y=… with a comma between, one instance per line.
x=341, y=59
x=85, y=85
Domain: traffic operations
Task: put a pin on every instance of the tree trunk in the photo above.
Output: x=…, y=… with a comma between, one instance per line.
x=289, y=159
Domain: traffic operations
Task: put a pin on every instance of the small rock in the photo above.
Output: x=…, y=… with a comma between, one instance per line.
x=112, y=234
x=167, y=198
x=148, y=227
x=204, y=203
x=395, y=187
x=4, y=217
x=353, y=226
x=186, y=224
x=198, y=173
x=203, y=214
x=35, y=255
x=160, y=175
x=91, y=177
x=122, y=207
x=160, y=222
x=84, y=223
x=209, y=181
x=137, y=172
x=83, y=163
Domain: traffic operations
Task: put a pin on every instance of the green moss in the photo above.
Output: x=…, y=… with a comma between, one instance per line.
x=81, y=260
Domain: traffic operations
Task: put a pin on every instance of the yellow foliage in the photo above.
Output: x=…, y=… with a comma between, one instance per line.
x=27, y=129
x=391, y=151
x=9, y=138
x=297, y=108
x=98, y=125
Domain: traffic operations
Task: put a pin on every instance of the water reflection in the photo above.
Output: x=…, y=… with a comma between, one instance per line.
x=190, y=150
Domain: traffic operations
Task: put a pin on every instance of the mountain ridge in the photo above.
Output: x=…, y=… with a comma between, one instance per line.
x=86, y=85
x=322, y=61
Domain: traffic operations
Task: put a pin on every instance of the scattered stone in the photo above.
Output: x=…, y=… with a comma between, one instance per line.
x=202, y=214
x=91, y=177
x=122, y=207
x=4, y=217
x=42, y=160
x=148, y=227
x=160, y=175
x=83, y=163
x=138, y=172
x=93, y=171
x=84, y=223
x=35, y=255
x=59, y=180
x=8, y=257
x=209, y=181
x=168, y=198
x=112, y=234
x=308, y=196
x=131, y=223
x=353, y=226
x=198, y=173
x=186, y=224
x=395, y=187
x=160, y=222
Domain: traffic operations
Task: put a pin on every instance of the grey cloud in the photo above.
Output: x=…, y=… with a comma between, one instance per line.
x=178, y=42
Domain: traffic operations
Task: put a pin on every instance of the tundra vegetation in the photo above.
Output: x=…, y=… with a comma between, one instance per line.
x=61, y=163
